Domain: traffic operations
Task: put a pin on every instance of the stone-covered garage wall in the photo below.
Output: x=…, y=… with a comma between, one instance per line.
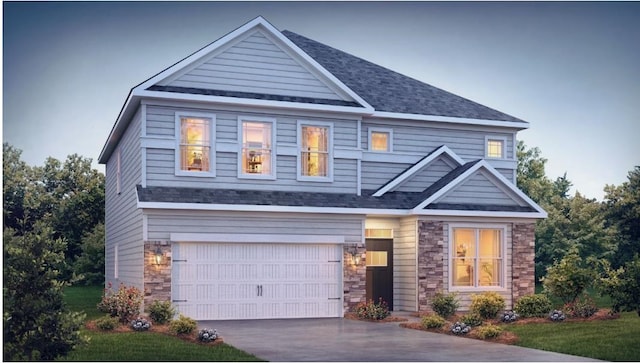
x=157, y=278
x=355, y=277
x=430, y=262
x=523, y=255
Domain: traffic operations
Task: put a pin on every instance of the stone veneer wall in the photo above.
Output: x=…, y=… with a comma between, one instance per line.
x=157, y=278
x=355, y=277
x=522, y=256
x=430, y=261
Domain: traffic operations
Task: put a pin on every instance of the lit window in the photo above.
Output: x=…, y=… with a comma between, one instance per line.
x=194, y=153
x=477, y=257
x=380, y=140
x=384, y=233
x=377, y=258
x=495, y=148
x=257, y=145
x=314, y=153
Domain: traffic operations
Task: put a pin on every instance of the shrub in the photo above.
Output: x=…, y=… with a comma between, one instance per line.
x=433, y=321
x=623, y=286
x=460, y=328
x=488, y=331
x=445, y=305
x=569, y=277
x=536, y=305
x=107, y=322
x=472, y=319
x=487, y=305
x=582, y=307
x=557, y=316
x=508, y=317
x=182, y=325
x=372, y=311
x=124, y=303
x=207, y=335
x=161, y=311
x=140, y=324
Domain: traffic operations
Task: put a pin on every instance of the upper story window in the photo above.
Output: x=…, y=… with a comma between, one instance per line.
x=315, y=156
x=195, y=151
x=380, y=139
x=477, y=257
x=257, y=158
x=495, y=147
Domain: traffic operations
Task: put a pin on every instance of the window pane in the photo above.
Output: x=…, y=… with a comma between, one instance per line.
x=490, y=243
x=494, y=148
x=376, y=258
x=463, y=272
x=380, y=141
x=256, y=148
x=314, y=155
x=194, y=144
x=490, y=272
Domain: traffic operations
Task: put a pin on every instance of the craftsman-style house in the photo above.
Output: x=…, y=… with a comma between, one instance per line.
x=269, y=175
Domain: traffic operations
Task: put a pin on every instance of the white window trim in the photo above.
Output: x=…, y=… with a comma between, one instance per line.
x=241, y=174
x=389, y=131
x=503, y=139
x=118, y=172
x=503, y=228
x=212, y=146
x=329, y=177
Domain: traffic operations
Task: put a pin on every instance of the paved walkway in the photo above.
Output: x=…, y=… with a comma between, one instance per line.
x=331, y=340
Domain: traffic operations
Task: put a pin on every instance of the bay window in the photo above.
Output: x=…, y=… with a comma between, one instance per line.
x=477, y=257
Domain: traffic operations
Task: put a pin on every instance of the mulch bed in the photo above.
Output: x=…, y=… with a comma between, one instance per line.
x=388, y=319
x=156, y=328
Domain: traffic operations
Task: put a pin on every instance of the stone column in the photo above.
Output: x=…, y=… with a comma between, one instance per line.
x=157, y=277
x=355, y=277
x=523, y=265
x=430, y=261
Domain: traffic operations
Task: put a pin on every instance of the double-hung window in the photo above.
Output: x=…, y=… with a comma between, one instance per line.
x=195, y=150
x=257, y=157
x=477, y=257
x=315, y=156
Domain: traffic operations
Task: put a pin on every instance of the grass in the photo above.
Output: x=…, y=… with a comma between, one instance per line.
x=611, y=340
x=138, y=346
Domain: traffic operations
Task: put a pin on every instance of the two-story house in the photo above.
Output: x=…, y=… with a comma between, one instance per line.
x=268, y=175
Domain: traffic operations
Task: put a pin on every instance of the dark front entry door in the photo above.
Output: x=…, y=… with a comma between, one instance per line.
x=380, y=270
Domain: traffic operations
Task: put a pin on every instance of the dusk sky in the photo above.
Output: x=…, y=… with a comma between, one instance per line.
x=572, y=70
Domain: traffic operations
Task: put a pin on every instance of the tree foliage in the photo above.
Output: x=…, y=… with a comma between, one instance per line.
x=89, y=266
x=623, y=285
x=37, y=324
x=568, y=278
x=623, y=213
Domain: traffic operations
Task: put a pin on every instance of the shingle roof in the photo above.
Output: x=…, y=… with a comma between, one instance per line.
x=390, y=91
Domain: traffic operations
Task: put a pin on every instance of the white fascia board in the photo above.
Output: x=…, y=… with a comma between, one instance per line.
x=444, y=149
x=447, y=187
x=125, y=114
x=455, y=120
x=249, y=102
x=476, y=213
x=255, y=238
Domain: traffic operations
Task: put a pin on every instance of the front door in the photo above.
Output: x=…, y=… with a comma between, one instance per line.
x=380, y=270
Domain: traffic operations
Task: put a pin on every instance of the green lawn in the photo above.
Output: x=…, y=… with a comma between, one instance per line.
x=138, y=346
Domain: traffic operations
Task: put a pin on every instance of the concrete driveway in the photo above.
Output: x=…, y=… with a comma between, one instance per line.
x=343, y=340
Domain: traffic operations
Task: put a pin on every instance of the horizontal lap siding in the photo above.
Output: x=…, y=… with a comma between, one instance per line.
x=123, y=220
x=404, y=266
x=161, y=224
x=376, y=174
x=255, y=65
x=507, y=173
x=425, y=177
x=478, y=190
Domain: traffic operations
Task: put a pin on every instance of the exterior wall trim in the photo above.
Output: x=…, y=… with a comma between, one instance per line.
x=255, y=238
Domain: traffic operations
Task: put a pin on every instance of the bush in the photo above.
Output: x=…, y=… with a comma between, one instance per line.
x=536, y=305
x=140, y=324
x=125, y=303
x=569, y=277
x=107, y=322
x=472, y=319
x=445, y=305
x=460, y=328
x=373, y=311
x=487, y=305
x=509, y=317
x=623, y=286
x=488, y=331
x=433, y=321
x=582, y=307
x=557, y=316
x=161, y=311
x=207, y=335
x=182, y=325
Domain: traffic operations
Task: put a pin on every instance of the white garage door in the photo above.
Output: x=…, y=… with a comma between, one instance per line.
x=217, y=281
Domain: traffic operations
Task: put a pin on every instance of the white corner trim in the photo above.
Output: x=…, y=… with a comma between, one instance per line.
x=145, y=227
x=448, y=119
x=394, y=183
x=255, y=238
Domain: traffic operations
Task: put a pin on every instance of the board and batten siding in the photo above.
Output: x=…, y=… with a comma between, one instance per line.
x=123, y=219
x=160, y=162
x=255, y=64
x=161, y=224
x=405, y=274
x=478, y=189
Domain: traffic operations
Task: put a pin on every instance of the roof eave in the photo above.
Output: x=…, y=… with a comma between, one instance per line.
x=518, y=125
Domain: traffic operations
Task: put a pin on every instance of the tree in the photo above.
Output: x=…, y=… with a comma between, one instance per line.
x=569, y=277
x=90, y=264
x=531, y=177
x=623, y=285
x=622, y=208
x=37, y=323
